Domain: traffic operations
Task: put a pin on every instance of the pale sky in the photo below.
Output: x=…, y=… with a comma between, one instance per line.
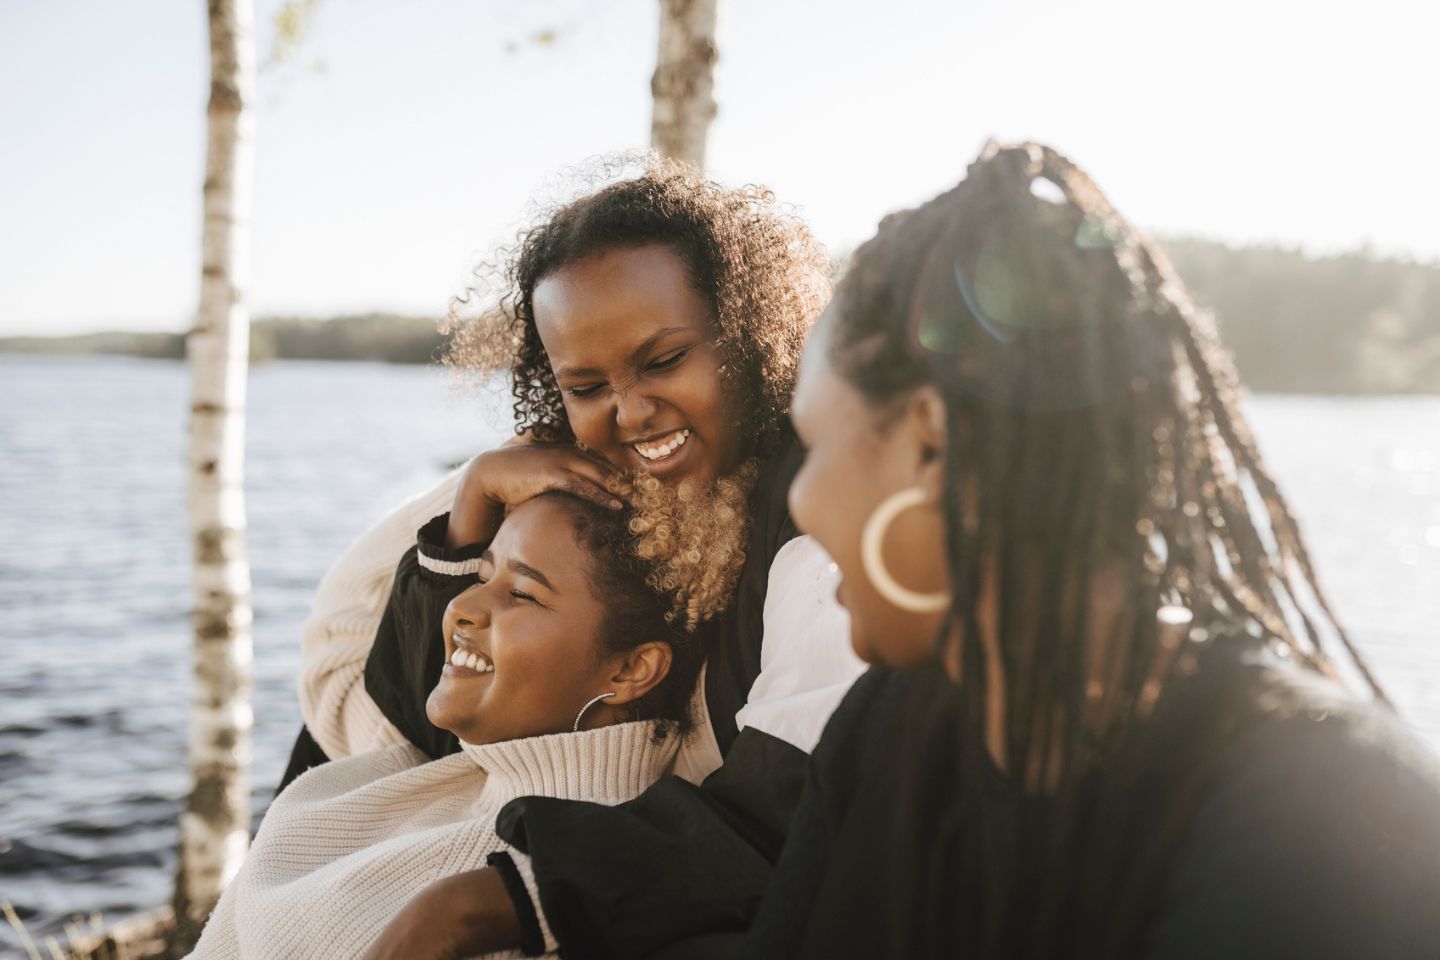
x=382, y=177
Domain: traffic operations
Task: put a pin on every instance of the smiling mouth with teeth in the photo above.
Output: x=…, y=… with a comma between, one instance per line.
x=472, y=661
x=659, y=450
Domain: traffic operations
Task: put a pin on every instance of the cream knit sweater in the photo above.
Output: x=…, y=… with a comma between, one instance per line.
x=346, y=612
x=349, y=843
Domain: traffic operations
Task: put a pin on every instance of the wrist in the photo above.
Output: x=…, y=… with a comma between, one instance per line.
x=475, y=512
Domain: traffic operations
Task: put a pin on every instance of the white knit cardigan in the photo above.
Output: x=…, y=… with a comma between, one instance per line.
x=349, y=843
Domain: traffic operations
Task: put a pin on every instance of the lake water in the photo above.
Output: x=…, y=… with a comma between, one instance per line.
x=94, y=640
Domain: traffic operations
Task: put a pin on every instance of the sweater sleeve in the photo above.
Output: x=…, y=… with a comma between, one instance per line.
x=681, y=859
x=834, y=769
x=220, y=940
x=337, y=636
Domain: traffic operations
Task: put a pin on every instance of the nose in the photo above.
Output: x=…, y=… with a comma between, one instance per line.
x=470, y=608
x=634, y=410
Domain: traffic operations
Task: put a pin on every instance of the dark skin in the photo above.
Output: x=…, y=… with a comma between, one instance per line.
x=532, y=608
x=631, y=342
x=524, y=621
x=856, y=457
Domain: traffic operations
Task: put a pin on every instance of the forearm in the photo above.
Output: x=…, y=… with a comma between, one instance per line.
x=485, y=916
x=463, y=915
x=625, y=881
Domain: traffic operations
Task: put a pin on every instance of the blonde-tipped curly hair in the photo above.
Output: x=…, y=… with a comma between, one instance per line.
x=692, y=539
x=763, y=274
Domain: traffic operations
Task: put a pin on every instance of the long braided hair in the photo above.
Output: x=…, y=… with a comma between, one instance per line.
x=1096, y=450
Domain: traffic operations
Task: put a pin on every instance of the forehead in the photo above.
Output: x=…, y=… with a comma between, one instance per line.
x=541, y=533
x=611, y=303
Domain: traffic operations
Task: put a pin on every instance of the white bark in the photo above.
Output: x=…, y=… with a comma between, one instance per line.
x=214, y=829
x=684, y=83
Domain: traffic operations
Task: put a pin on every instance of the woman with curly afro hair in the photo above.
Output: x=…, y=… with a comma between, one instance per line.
x=653, y=331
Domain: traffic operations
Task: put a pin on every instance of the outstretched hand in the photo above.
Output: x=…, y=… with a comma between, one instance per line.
x=513, y=473
x=460, y=916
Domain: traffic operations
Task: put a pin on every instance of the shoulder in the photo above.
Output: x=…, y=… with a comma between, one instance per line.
x=1319, y=836
x=349, y=773
x=870, y=715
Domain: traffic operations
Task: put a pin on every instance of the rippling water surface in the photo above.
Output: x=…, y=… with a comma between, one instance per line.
x=94, y=641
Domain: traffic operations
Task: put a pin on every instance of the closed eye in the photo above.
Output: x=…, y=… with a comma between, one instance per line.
x=582, y=392
x=670, y=361
x=520, y=596
x=517, y=594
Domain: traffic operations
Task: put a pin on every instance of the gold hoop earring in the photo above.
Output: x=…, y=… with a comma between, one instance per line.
x=576, y=727
x=871, y=539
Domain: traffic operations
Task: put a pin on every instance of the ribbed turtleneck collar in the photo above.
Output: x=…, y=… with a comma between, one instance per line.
x=606, y=765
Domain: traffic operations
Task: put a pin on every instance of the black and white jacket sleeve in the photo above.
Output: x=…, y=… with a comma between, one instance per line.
x=409, y=650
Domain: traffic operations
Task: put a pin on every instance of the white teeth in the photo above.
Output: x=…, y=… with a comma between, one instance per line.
x=660, y=451
x=472, y=661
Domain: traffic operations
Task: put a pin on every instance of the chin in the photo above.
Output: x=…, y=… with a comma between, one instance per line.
x=893, y=650
x=862, y=646
x=437, y=709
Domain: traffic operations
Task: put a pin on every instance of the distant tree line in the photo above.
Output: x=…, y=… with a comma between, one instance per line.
x=382, y=337
x=1350, y=323
x=379, y=337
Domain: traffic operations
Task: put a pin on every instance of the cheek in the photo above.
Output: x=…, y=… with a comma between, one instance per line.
x=826, y=504
x=593, y=424
x=540, y=667
x=702, y=399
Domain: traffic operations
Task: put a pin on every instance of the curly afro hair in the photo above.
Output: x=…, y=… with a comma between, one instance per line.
x=622, y=582
x=760, y=269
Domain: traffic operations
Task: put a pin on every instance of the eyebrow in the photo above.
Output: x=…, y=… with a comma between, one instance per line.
x=524, y=569
x=636, y=354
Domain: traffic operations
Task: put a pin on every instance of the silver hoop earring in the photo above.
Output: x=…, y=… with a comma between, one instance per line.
x=871, y=539
x=576, y=727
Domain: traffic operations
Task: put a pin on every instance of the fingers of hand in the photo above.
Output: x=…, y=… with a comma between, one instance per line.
x=588, y=489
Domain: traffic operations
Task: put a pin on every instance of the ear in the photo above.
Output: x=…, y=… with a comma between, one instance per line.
x=640, y=671
x=924, y=422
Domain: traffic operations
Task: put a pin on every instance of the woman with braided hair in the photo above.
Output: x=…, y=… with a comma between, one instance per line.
x=1112, y=714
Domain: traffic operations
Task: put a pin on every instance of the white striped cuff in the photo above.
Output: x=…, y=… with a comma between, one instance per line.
x=450, y=568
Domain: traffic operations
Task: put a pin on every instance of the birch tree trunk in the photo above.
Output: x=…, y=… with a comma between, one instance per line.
x=684, y=83
x=215, y=826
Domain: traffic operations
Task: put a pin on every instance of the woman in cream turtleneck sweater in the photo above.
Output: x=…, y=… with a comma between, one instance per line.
x=551, y=693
